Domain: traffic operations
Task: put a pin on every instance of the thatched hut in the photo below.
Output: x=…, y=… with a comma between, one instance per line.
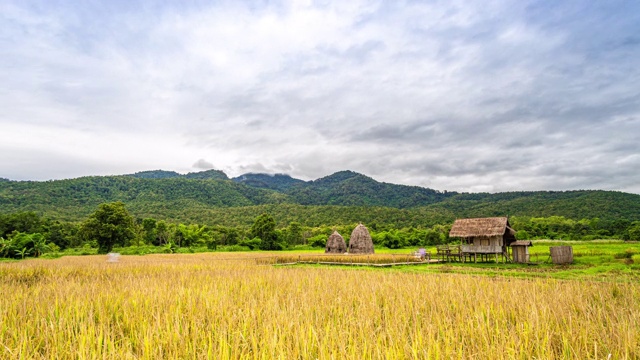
x=484, y=235
x=360, y=241
x=335, y=244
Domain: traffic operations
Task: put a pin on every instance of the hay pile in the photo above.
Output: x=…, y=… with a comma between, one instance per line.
x=335, y=244
x=360, y=242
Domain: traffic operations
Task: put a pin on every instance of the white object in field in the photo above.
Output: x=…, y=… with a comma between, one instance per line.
x=113, y=257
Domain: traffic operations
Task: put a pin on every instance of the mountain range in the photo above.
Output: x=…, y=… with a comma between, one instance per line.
x=208, y=195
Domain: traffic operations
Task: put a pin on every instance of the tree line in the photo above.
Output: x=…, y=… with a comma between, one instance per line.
x=111, y=225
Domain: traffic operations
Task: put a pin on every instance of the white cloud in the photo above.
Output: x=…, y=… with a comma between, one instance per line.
x=490, y=96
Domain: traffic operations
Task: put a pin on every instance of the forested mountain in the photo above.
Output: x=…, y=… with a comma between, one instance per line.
x=162, y=174
x=155, y=174
x=75, y=198
x=209, y=197
x=607, y=205
x=279, y=182
x=349, y=188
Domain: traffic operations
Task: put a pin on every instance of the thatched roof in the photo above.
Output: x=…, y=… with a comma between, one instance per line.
x=360, y=241
x=522, y=243
x=481, y=227
x=335, y=244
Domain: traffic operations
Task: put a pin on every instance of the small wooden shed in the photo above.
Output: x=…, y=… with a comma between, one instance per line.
x=483, y=236
x=520, y=249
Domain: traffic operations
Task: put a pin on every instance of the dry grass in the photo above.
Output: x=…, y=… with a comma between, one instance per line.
x=340, y=258
x=203, y=306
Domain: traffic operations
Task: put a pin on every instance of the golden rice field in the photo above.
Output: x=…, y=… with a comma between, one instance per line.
x=363, y=259
x=219, y=306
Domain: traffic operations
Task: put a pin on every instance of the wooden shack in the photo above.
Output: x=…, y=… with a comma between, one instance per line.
x=520, y=250
x=484, y=237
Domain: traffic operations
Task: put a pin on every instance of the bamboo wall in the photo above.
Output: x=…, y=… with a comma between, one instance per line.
x=561, y=254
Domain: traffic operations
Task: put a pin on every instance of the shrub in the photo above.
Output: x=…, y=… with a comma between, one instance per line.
x=251, y=243
x=627, y=254
x=318, y=241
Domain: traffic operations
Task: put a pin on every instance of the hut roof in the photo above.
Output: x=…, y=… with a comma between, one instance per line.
x=522, y=243
x=481, y=227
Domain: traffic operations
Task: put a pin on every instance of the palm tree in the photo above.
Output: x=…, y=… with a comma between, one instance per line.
x=39, y=245
x=4, y=246
x=24, y=252
x=170, y=247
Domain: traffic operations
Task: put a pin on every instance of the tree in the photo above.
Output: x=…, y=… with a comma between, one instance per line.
x=25, y=222
x=634, y=231
x=162, y=233
x=110, y=225
x=391, y=240
x=62, y=235
x=22, y=253
x=432, y=237
x=4, y=247
x=193, y=234
x=294, y=233
x=170, y=247
x=149, y=228
x=22, y=243
x=264, y=228
x=39, y=244
x=251, y=243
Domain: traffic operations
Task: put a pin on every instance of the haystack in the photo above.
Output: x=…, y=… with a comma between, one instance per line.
x=360, y=242
x=336, y=244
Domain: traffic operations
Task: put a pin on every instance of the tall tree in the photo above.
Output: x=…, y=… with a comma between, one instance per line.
x=294, y=233
x=162, y=233
x=149, y=228
x=265, y=228
x=110, y=225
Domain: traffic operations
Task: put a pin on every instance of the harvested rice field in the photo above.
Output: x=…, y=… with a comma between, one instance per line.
x=221, y=305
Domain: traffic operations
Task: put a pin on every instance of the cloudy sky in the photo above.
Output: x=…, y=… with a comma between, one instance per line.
x=456, y=95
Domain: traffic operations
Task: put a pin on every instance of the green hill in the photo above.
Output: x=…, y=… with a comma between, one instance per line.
x=75, y=198
x=348, y=188
x=155, y=174
x=162, y=174
x=209, y=197
x=279, y=182
x=607, y=205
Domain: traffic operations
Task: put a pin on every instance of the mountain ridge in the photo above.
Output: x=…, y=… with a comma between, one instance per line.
x=188, y=196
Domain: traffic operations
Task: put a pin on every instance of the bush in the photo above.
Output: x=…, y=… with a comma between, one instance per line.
x=433, y=237
x=185, y=250
x=318, y=241
x=627, y=254
x=212, y=244
x=251, y=243
x=233, y=248
x=392, y=241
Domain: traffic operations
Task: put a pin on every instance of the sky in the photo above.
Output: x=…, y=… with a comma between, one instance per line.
x=476, y=96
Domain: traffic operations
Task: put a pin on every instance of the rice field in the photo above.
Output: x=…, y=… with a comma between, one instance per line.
x=219, y=306
x=336, y=259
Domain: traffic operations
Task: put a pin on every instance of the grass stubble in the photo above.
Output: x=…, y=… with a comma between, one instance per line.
x=220, y=306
